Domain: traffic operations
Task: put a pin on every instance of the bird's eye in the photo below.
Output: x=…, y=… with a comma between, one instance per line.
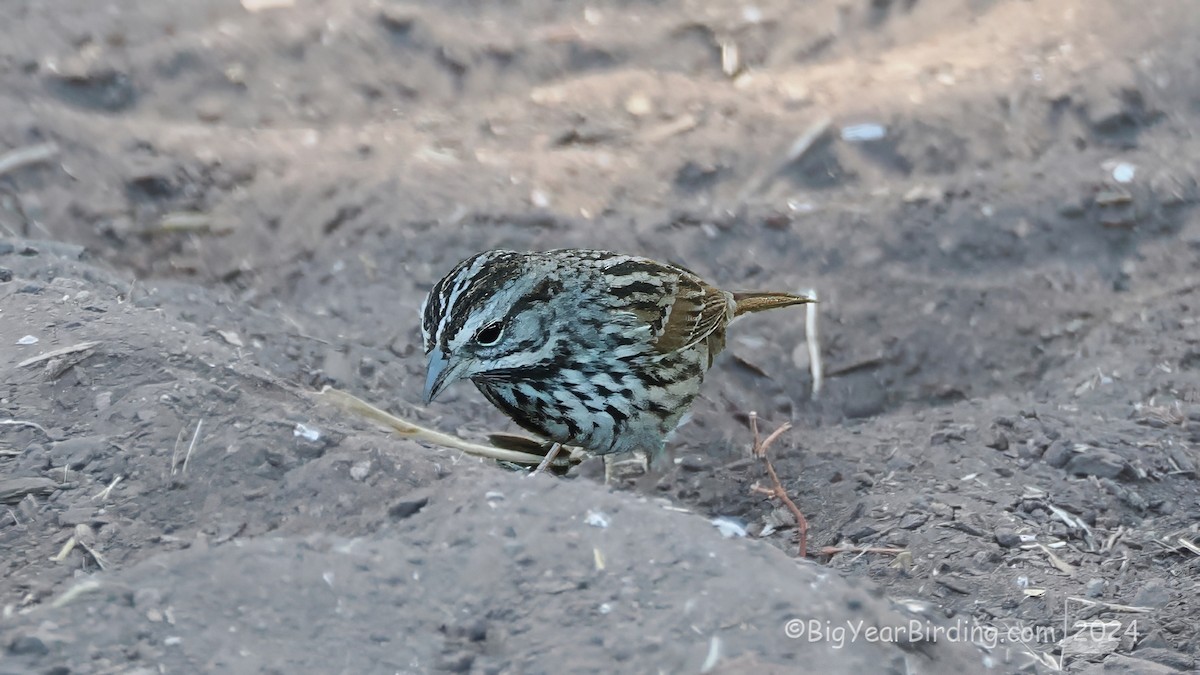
x=489, y=334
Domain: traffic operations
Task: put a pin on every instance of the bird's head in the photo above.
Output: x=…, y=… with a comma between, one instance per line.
x=493, y=313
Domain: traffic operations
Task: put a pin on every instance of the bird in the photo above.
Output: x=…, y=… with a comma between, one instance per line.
x=586, y=348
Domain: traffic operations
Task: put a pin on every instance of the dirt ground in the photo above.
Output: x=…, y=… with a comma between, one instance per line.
x=212, y=209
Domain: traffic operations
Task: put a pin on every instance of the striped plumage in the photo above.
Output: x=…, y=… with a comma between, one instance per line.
x=592, y=349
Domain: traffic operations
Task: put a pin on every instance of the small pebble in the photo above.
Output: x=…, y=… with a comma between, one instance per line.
x=597, y=519
x=360, y=470
x=1123, y=172
x=860, y=133
x=306, y=432
x=728, y=527
x=1007, y=537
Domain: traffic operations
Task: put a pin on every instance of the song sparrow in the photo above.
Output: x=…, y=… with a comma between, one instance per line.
x=592, y=349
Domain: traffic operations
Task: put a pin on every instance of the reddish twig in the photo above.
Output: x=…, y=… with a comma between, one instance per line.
x=776, y=490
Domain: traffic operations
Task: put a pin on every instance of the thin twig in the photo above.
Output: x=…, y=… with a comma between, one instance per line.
x=1110, y=605
x=175, y=452
x=191, y=446
x=406, y=428
x=1189, y=546
x=834, y=550
x=103, y=494
x=55, y=353
x=23, y=423
x=23, y=157
x=777, y=490
x=542, y=465
x=813, y=339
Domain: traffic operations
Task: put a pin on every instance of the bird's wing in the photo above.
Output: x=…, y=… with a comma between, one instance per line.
x=697, y=311
x=679, y=308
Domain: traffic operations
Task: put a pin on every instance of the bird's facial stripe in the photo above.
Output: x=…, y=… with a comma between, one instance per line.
x=460, y=291
x=533, y=364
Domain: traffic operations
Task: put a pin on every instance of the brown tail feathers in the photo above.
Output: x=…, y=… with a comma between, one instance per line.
x=747, y=303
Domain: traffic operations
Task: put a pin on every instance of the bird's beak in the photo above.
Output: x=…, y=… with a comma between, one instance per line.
x=441, y=374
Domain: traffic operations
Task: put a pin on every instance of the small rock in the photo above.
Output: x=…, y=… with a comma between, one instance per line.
x=1153, y=638
x=1032, y=449
x=457, y=662
x=1123, y=172
x=306, y=432
x=913, y=519
x=210, y=109
x=999, y=441
x=1058, y=454
x=1114, y=99
x=28, y=644
x=1153, y=593
x=1119, y=664
x=76, y=515
x=862, y=133
x=1095, y=588
x=360, y=470
x=6, y=275
x=1097, y=462
x=598, y=519
x=398, y=18
x=729, y=527
x=1072, y=209
x=1007, y=536
x=1167, y=657
x=945, y=436
x=862, y=533
x=34, y=458
x=408, y=508
x=1165, y=507
x=76, y=453
x=14, y=490
x=639, y=105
